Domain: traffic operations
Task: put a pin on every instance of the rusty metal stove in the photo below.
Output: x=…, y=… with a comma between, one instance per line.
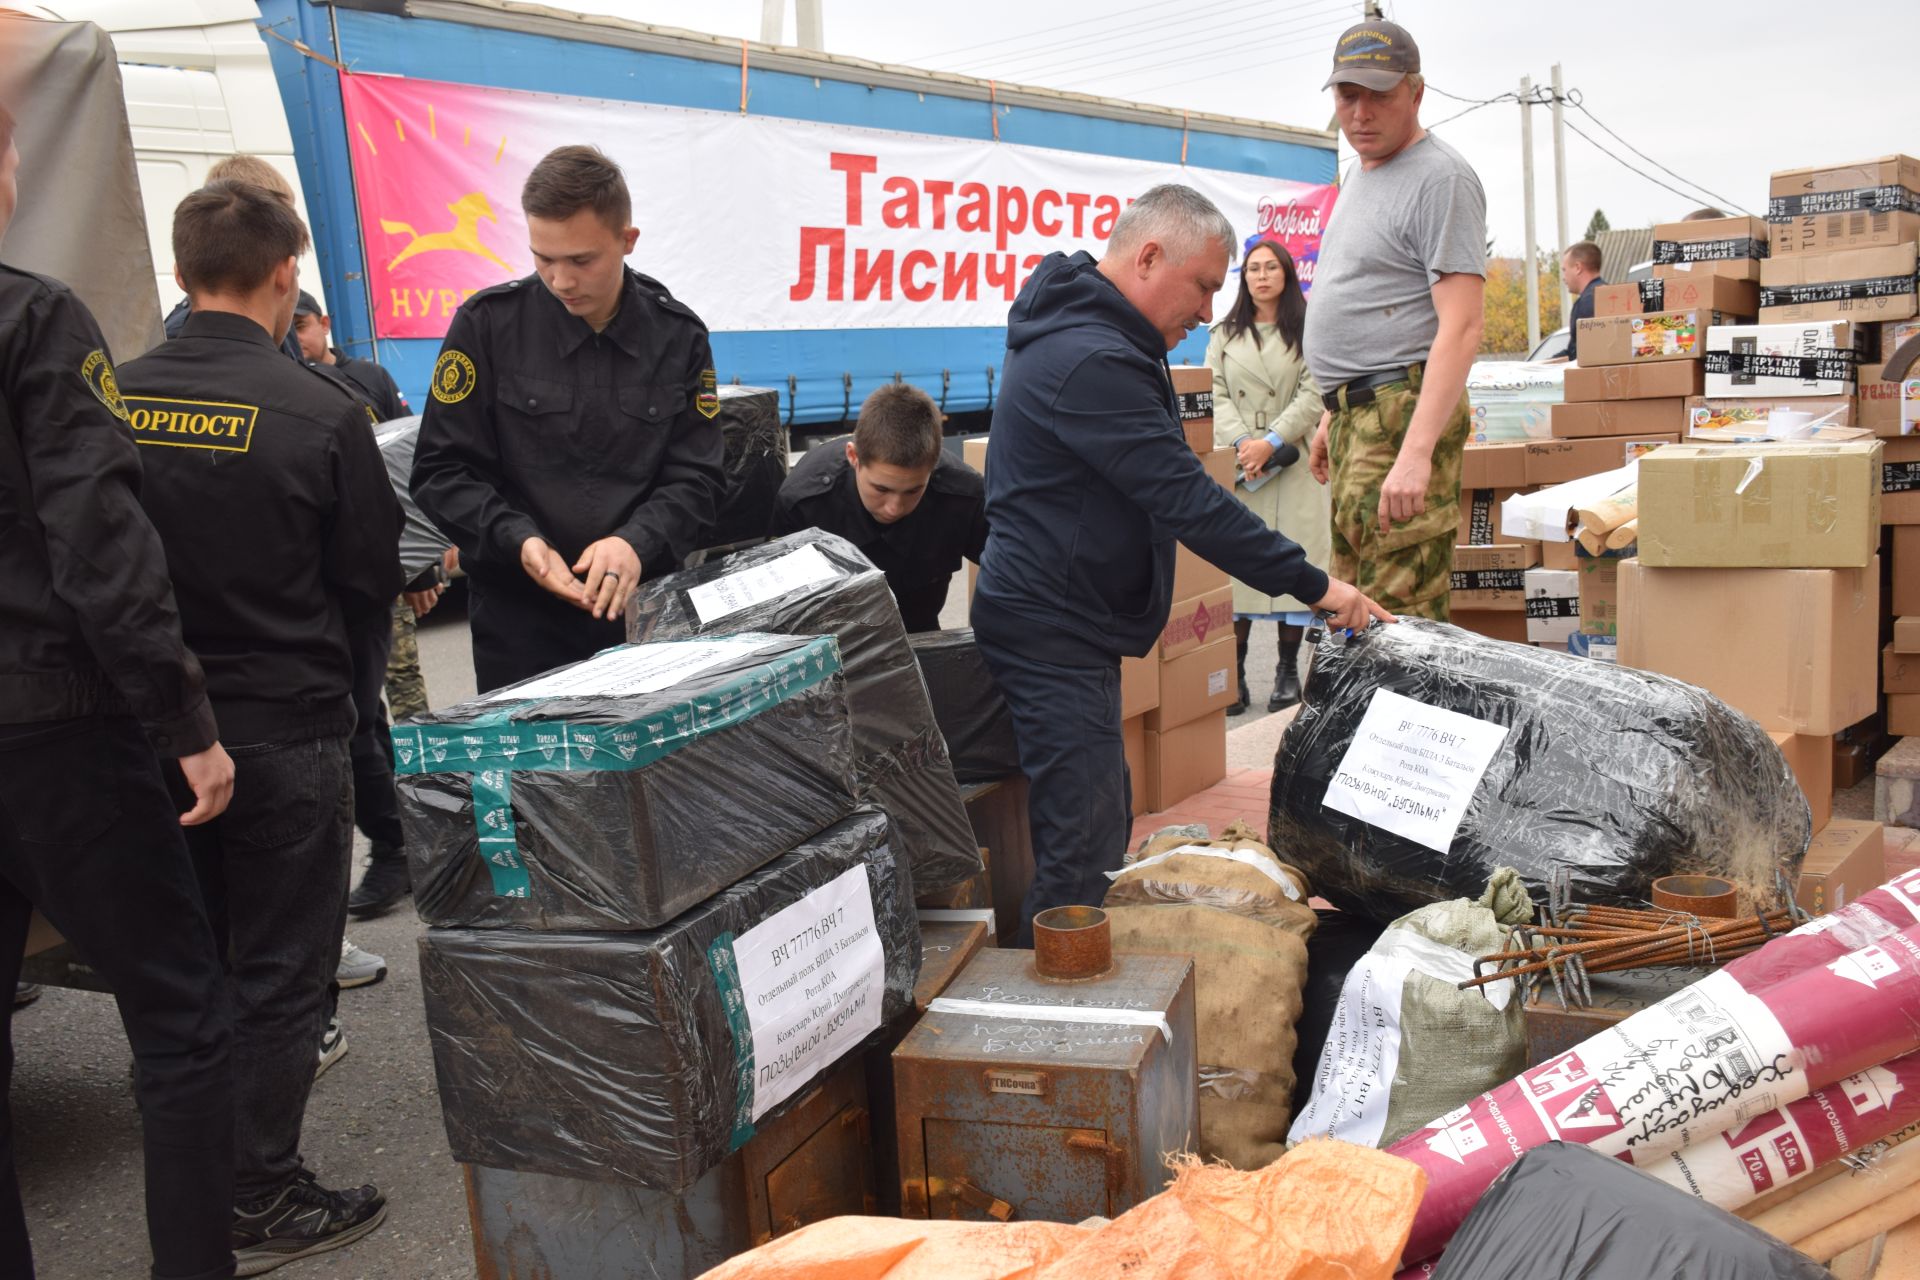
x=1063, y=1106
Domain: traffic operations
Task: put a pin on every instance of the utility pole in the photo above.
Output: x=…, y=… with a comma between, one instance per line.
x=1527, y=267
x=1560, y=185
x=808, y=33
x=773, y=21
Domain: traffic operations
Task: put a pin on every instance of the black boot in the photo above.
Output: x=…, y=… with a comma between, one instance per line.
x=1286, y=676
x=385, y=883
x=1242, y=631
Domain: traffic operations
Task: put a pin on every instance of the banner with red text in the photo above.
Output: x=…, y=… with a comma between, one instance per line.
x=757, y=223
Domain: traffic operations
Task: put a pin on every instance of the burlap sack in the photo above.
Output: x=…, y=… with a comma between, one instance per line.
x=1247, y=978
x=1248, y=880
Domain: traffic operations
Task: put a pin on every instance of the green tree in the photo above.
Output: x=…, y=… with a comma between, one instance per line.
x=1596, y=224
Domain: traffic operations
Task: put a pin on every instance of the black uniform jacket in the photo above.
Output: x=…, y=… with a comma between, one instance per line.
x=919, y=553
x=374, y=385
x=280, y=525
x=537, y=426
x=87, y=618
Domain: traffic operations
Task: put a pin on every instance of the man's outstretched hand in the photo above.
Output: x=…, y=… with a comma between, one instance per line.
x=1346, y=609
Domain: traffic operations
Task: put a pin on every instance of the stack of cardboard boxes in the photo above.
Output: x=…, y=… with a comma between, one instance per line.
x=1177, y=745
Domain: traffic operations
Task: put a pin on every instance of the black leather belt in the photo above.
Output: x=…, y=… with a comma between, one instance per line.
x=1363, y=390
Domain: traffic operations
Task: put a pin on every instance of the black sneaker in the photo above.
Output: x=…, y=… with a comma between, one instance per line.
x=385, y=883
x=299, y=1220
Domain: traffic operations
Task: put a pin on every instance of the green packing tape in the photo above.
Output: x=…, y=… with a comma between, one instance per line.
x=726, y=976
x=495, y=746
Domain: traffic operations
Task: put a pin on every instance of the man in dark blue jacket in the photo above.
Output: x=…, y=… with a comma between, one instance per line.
x=1091, y=485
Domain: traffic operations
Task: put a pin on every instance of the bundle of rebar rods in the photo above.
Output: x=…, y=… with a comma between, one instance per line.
x=1585, y=940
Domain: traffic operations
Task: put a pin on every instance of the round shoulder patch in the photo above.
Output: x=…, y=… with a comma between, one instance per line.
x=453, y=377
x=97, y=372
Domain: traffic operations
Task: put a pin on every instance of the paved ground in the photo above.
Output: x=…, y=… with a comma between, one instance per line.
x=375, y=1115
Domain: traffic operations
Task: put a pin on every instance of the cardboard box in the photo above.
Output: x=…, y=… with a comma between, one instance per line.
x=1793, y=648
x=974, y=452
x=1558, y=461
x=1140, y=684
x=1812, y=359
x=1844, y=206
x=1193, y=388
x=1889, y=409
x=1888, y=336
x=1493, y=577
x=1133, y=741
x=1495, y=624
x=1494, y=466
x=1198, y=684
x=1193, y=576
x=1905, y=599
x=1648, y=338
x=1899, y=672
x=1480, y=517
x=1903, y=715
x=1616, y=417
x=1752, y=412
x=1777, y=506
x=1900, y=481
x=1634, y=381
x=1729, y=247
x=1599, y=594
x=1811, y=759
x=1906, y=635
x=1559, y=555
x=1617, y=300
x=1716, y=293
x=1845, y=860
x=1863, y=285
x=1195, y=621
x=1553, y=606
x=1185, y=760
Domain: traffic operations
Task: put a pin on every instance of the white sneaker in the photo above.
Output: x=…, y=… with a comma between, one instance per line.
x=333, y=1046
x=358, y=967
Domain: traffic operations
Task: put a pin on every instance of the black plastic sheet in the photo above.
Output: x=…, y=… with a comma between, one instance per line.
x=1566, y=1210
x=597, y=828
x=1609, y=777
x=421, y=545
x=967, y=705
x=1337, y=944
x=900, y=759
x=613, y=1055
x=755, y=463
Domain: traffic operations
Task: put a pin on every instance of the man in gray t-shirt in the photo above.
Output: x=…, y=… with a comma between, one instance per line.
x=1392, y=329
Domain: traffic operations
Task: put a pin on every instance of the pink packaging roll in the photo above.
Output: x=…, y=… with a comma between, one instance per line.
x=1716, y=1056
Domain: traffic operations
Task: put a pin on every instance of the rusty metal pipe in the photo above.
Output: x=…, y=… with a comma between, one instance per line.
x=1072, y=943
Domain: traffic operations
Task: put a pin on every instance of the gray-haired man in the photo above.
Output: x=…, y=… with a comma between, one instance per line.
x=1090, y=485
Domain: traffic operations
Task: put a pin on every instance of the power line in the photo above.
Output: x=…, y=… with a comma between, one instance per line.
x=1267, y=49
x=1684, y=195
x=1576, y=99
x=1214, y=74
x=1014, y=39
x=1511, y=97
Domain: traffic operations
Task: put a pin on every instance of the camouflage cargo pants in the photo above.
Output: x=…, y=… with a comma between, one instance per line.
x=1409, y=569
x=406, y=687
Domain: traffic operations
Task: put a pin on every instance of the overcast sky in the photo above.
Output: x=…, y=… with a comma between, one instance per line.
x=1720, y=93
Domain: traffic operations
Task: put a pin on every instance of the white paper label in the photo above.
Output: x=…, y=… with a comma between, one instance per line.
x=1352, y=1086
x=633, y=669
x=1217, y=683
x=813, y=978
x=729, y=595
x=1412, y=769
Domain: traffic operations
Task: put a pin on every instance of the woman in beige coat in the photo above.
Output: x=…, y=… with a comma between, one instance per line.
x=1265, y=407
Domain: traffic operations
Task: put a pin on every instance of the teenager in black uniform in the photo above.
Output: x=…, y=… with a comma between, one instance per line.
x=372, y=383
x=893, y=492
x=568, y=447
x=99, y=702
x=281, y=531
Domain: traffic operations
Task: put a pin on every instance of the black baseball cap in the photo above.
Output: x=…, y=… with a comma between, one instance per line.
x=1374, y=55
x=307, y=306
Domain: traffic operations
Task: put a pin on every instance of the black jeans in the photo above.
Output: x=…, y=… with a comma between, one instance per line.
x=1066, y=721
x=273, y=869
x=376, y=806
x=89, y=834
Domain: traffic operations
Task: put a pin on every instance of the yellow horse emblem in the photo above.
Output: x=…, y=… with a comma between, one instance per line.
x=464, y=237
